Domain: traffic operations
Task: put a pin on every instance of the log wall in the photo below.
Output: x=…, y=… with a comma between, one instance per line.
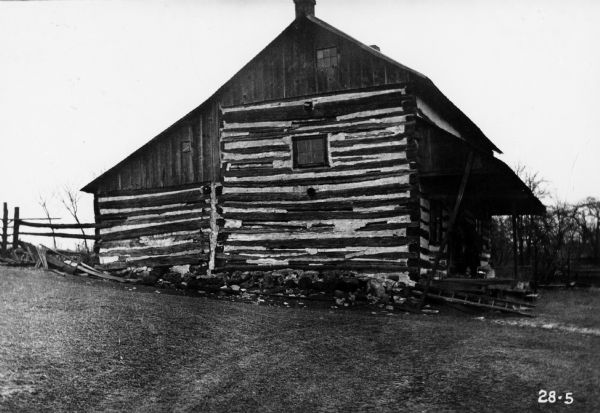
x=359, y=213
x=160, y=227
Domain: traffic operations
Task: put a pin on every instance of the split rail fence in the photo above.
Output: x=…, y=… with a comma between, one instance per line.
x=17, y=224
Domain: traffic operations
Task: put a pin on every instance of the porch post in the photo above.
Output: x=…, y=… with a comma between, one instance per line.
x=443, y=244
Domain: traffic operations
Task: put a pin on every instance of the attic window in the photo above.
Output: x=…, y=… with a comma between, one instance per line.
x=186, y=146
x=310, y=151
x=327, y=58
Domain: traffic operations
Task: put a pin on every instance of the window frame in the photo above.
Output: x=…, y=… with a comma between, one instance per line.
x=327, y=56
x=295, y=152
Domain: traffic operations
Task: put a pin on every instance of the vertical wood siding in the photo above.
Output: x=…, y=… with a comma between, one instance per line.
x=362, y=213
x=166, y=227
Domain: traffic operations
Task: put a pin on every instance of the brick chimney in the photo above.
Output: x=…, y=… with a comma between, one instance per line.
x=305, y=8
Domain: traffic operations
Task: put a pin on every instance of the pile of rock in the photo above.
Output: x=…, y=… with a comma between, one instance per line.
x=346, y=288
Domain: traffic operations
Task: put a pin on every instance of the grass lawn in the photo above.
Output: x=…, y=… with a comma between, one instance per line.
x=75, y=344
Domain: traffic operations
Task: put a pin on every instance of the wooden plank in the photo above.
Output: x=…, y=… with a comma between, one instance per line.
x=16, y=224
x=478, y=305
x=4, y=228
x=56, y=226
x=58, y=235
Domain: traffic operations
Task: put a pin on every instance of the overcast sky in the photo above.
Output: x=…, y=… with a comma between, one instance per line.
x=85, y=83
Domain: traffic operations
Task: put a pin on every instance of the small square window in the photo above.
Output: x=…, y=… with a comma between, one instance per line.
x=186, y=146
x=310, y=151
x=327, y=58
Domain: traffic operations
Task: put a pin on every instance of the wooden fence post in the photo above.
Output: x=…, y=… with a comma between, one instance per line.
x=16, y=224
x=4, y=228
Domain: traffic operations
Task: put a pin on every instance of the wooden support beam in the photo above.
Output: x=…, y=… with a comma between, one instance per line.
x=16, y=223
x=4, y=227
x=459, y=197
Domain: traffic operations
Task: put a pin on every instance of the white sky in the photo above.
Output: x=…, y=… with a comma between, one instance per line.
x=85, y=83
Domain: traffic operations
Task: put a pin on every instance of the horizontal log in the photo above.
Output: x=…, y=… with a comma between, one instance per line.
x=178, y=198
x=148, y=191
x=320, y=110
x=257, y=129
x=159, y=261
x=373, y=176
x=55, y=226
x=258, y=229
x=157, y=240
x=59, y=235
x=271, y=171
x=346, y=143
x=154, y=220
x=347, y=266
x=121, y=214
x=319, y=177
x=262, y=161
x=181, y=226
x=314, y=215
x=329, y=243
x=321, y=257
x=326, y=127
x=308, y=234
x=379, y=150
x=336, y=204
x=366, y=190
x=259, y=149
x=165, y=250
x=383, y=226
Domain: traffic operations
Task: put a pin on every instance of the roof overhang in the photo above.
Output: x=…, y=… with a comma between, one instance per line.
x=492, y=188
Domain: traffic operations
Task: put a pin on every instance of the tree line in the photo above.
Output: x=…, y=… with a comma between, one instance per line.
x=556, y=244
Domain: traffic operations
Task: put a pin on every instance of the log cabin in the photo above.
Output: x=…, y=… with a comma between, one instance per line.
x=320, y=153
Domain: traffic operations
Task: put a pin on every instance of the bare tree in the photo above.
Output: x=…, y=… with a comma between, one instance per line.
x=589, y=223
x=70, y=200
x=43, y=204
